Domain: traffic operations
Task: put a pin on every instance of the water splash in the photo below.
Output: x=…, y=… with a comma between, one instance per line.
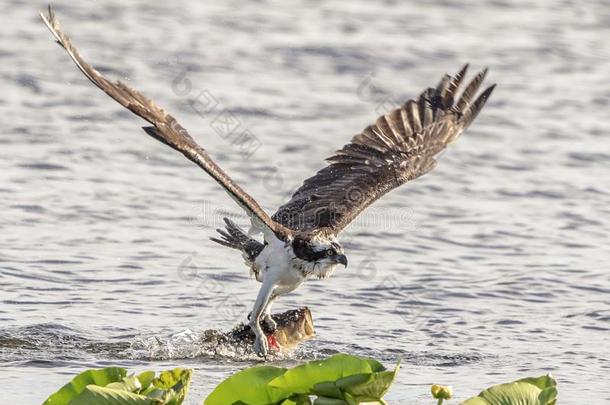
x=187, y=344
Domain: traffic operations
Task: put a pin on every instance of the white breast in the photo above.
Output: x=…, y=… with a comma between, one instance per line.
x=276, y=261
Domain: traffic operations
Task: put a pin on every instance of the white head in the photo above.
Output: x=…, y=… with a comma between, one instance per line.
x=318, y=254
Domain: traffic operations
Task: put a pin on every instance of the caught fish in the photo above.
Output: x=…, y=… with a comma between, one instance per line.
x=292, y=328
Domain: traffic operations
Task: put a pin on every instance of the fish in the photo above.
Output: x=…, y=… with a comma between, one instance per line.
x=292, y=328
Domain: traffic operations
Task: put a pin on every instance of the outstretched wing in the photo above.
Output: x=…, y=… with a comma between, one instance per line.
x=399, y=147
x=166, y=129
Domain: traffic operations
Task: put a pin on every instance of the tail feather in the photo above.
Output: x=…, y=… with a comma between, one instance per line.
x=234, y=237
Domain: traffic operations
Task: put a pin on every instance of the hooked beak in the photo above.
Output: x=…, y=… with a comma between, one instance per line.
x=341, y=259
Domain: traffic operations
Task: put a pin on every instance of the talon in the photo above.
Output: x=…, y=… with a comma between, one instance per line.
x=270, y=326
x=261, y=346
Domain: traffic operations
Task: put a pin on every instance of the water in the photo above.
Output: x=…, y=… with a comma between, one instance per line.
x=490, y=268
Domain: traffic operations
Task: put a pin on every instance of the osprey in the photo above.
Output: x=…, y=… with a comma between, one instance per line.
x=300, y=239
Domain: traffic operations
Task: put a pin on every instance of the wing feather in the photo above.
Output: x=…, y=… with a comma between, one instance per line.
x=399, y=147
x=166, y=129
x=470, y=91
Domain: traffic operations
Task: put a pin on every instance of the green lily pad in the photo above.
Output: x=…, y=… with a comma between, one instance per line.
x=297, y=400
x=94, y=395
x=99, y=377
x=174, y=384
x=129, y=384
x=249, y=386
x=329, y=401
x=146, y=378
x=359, y=388
x=111, y=386
x=374, y=388
x=527, y=391
x=328, y=389
x=303, y=378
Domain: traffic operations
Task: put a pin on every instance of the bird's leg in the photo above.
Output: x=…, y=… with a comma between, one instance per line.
x=261, y=346
x=267, y=319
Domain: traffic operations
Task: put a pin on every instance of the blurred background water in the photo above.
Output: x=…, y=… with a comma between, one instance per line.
x=490, y=268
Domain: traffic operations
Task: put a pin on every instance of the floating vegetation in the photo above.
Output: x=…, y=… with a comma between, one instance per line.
x=341, y=379
x=112, y=386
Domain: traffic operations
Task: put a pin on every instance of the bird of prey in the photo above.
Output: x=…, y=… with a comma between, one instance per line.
x=300, y=239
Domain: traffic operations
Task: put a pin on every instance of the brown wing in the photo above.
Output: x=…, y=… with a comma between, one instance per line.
x=399, y=147
x=166, y=129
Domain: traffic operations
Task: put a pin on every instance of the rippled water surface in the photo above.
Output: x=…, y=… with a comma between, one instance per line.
x=492, y=267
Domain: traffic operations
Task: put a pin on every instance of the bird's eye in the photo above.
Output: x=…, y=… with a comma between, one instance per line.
x=329, y=253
